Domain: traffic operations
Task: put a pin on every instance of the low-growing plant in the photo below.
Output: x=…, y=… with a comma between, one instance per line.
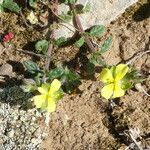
x=118, y=79
x=10, y=5
x=49, y=84
x=49, y=96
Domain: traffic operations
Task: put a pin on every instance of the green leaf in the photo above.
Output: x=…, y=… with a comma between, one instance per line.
x=97, y=30
x=70, y=80
x=58, y=95
x=96, y=58
x=33, y=3
x=61, y=41
x=90, y=68
x=105, y=47
x=65, y=17
x=12, y=6
x=80, y=9
x=42, y=46
x=70, y=1
x=80, y=42
x=87, y=8
x=31, y=67
x=1, y=5
x=39, y=78
x=125, y=85
x=56, y=73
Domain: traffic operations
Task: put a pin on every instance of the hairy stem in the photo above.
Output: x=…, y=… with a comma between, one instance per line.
x=51, y=46
x=81, y=30
x=29, y=52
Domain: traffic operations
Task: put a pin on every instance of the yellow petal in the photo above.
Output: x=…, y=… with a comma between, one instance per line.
x=106, y=76
x=51, y=105
x=118, y=91
x=44, y=88
x=39, y=100
x=121, y=71
x=107, y=91
x=32, y=18
x=55, y=86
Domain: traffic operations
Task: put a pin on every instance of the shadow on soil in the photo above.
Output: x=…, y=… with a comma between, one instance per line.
x=143, y=12
x=10, y=90
x=110, y=123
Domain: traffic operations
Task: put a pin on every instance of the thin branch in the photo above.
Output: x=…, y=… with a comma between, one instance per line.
x=81, y=30
x=64, y=21
x=135, y=142
x=139, y=87
x=136, y=56
x=29, y=53
x=67, y=27
x=24, y=20
x=51, y=46
x=21, y=50
x=48, y=57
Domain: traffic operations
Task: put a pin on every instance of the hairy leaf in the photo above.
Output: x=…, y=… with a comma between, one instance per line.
x=96, y=58
x=97, y=30
x=61, y=41
x=105, y=47
x=69, y=1
x=33, y=3
x=42, y=46
x=56, y=73
x=80, y=42
x=31, y=66
x=11, y=5
x=68, y=78
x=82, y=9
x=65, y=17
x=1, y=5
x=90, y=68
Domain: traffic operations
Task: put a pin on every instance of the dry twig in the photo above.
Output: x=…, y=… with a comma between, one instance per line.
x=24, y=20
x=29, y=53
x=136, y=56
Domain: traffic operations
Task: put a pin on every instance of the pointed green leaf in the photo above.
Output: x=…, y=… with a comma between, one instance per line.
x=105, y=47
x=80, y=9
x=97, y=30
x=65, y=17
x=70, y=80
x=80, y=42
x=31, y=66
x=96, y=58
x=90, y=68
x=42, y=46
x=33, y=3
x=69, y=1
x=11, y=5
x=60, y=42
x=56, y=73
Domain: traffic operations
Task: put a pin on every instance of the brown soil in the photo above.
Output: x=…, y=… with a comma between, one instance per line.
x=86, y=121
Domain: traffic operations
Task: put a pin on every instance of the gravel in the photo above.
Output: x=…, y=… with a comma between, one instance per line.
x=19, y=129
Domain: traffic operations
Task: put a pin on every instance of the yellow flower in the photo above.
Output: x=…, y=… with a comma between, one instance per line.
x=112, y=78
x=50, y=94
x=32, y=18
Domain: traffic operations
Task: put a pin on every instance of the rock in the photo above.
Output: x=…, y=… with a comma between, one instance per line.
x=101, y=13
x=18, y=127
x=10, y=134
x=6, y=69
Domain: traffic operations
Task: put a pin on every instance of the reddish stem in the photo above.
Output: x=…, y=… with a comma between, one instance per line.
x=81, y=30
